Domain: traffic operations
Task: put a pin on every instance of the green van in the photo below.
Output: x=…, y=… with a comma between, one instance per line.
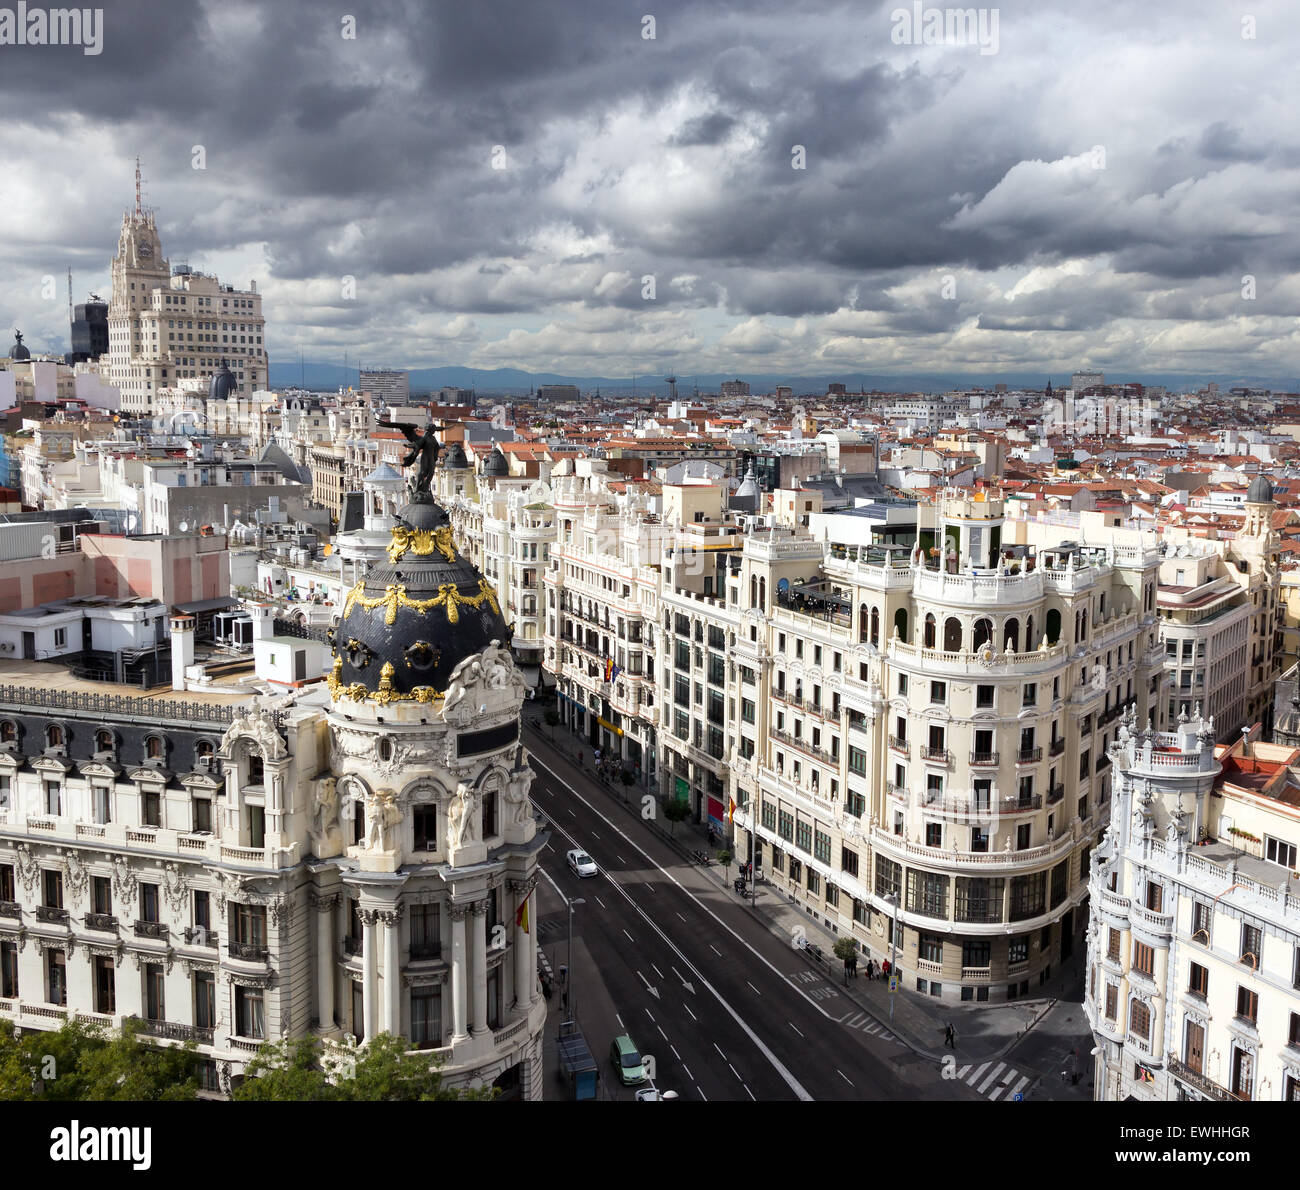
x=627, y=1061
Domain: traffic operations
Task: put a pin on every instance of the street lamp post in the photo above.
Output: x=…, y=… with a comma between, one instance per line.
x=893, y=955
x=569, y=973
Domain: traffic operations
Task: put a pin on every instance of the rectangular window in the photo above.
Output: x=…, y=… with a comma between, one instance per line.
x=53, y=798
x=250, y=1015
x=105, y=981
x=101, y=802
x=151, y=809
x=1198, y=982
x=148, y=902
x=1144, y=958
x=56, y=976
x=930, y=947
x=1029, y=696
x=976, y=953
x=426, y=937
x=1276, y=851
x=1247, y=1005
x=803, y=836
x=814, y=880
x=1018, y=949
x=849, y=861
x=1112, y=1001
x=155, y=1008
x=1252, y=945
x=1139, y=1019
x=202, y=815
x=888, y=877
x=9, y=970
x=424, y=819
x=822, y=847
x=927, y=893
x=205, y=1000
x=426, y=1017
x=984, y=696
x=785, y=826
x=1202, y=915
x=52, y=888
x=938, y=691
x=1027, y=895
x=1155, y=897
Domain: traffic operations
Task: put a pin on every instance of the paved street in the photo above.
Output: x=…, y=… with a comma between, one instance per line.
x=727, y=1010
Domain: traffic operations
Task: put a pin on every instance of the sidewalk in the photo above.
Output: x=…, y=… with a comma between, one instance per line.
x=983, y=1031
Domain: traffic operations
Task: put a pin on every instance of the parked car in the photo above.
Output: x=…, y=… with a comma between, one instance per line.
x=582, y=864
x=627, y=1061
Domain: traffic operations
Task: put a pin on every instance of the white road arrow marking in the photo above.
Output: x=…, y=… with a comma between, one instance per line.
x=652, y=990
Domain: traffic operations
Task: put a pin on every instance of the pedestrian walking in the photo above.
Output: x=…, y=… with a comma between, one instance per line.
x=949, y=1037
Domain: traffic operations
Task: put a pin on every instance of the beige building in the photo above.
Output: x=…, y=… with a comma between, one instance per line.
x=1193, y=987
x=921, y=737
x=166, y=325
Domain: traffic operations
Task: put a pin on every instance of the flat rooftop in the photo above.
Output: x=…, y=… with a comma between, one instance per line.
x=224, y=690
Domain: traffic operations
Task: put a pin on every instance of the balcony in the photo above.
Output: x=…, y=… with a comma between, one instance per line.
x=936, y=755
x=1057, y=747
x=49, y=913
x=151, y=929
x=253, y=952
x=1029, y=755
x=1055, y=794
x=101, y=921
x=173, y=1031
x=1198, y=1082
x=201, y=936
x=898, y=744
x=10, y=909
x=984, y=759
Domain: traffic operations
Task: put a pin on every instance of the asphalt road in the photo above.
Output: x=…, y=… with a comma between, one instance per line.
x=660, y=951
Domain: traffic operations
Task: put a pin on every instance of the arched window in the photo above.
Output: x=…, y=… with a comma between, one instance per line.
x=753, y=590
x=952, y=635
x=1011, y=635
x=983, y=633
x=762, y=593
x=1031, y=641
x=1053, y=626
x=103, y=741
x=204, y=748
x=928, y=639
x=8, y=732
x=1083, y=624
x=54, y=736
x=863, y=621
x=153, y=748
x=900, y=623
x=875, y=626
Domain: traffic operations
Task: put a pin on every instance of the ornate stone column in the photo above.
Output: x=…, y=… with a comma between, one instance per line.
x=458, y=972
x=392, y=971
x=479, y=990
x=370, y=972
x=325, y=907
x=525, y=963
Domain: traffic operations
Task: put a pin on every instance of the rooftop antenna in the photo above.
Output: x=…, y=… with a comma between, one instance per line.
x=672, y=386
x=139, y=209
x=69, y=298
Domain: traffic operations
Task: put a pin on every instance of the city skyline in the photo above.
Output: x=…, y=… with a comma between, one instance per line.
x=959, y=210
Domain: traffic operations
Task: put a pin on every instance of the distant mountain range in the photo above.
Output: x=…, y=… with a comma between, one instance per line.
x=514, y=382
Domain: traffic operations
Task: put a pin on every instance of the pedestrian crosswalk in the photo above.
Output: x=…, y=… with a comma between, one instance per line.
x=994, y=1080
x=864, y=1022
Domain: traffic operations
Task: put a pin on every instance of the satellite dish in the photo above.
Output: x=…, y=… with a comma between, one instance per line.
x=184, y=526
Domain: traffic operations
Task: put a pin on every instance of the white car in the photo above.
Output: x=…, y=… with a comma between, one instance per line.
x=654, y=1095
x=582, y=864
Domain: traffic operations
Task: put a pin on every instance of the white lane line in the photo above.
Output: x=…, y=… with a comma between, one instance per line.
x=680, y=915
x=1020, y=1086
x=721, y=1055
x=962, y=1072
x=974, y=1078
x=650, y=1014
x=571, y=813
x=988, y=1081
x=792, y=1025
x=661, y=1032
x=736, y=1073
x=855, y=1021
x=776, y=1063
x=620, y=859
x=689, y=1075
x=657, y=971
x=756, y=991
x=648, y=885
x=844, y=1076
x=749, y=1092
x=675, y=1053
x=630, y=938
x=598, y=901
x=594, y=835
x=715, y=950
x=688, y=1009
x=700, y=1093
x=620, y=1021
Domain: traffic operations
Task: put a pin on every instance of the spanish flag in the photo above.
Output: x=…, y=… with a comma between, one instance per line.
x=731, y=809
x=521, y=917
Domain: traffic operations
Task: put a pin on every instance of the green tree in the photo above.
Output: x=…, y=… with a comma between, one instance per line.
x=725, y=858
x=383, y=1071
x=84, y=1061
x=552, y=717
x=675, y=810
x=846, y=950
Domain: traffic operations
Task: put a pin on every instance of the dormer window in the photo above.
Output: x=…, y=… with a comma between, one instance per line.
x=54, y=736
x=8, y=732
x=103, y=741
x=153, y=748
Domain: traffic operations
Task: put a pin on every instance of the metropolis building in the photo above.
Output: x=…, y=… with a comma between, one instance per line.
x=351, y=858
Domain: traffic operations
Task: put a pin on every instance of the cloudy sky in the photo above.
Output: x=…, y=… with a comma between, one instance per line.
x=1103, y=184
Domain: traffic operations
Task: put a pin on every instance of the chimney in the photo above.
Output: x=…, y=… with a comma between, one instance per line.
x=182, y=629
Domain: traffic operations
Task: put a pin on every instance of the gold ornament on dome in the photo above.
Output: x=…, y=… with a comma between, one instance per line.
x=449, y=596
x=421, y=543
x=358, y=692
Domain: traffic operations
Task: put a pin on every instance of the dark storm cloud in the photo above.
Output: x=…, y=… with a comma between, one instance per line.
x=377, y=157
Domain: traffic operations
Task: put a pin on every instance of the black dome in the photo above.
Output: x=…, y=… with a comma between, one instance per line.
x=454, y=459
x=223, y=383
x=495, y=464
x=414, y=618
x=1260, y=491
x=18, y=350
